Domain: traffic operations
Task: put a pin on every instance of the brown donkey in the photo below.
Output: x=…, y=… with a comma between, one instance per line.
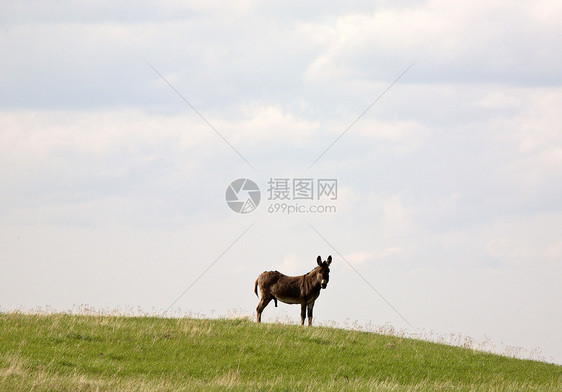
x=303, y=289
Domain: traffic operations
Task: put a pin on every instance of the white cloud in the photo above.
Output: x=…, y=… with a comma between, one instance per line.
x=295, y=264
x=359, y=257
x=466, y=41
x=42, y=134
x=263, y=125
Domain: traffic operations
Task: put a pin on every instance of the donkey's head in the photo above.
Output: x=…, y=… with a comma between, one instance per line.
x=324, y=270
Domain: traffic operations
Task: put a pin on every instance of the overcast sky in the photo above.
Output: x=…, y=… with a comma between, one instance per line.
x=112, y=188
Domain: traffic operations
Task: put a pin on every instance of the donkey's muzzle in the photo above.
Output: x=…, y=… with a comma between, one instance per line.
x=324, y=284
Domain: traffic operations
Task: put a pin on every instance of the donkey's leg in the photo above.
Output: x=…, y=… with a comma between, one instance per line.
x=303, y=313
x=309, y=308
x=261, y=306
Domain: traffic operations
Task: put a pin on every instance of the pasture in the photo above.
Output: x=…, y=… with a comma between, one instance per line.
x=114, y=353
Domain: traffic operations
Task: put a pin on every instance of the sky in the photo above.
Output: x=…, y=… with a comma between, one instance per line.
x=122, y=127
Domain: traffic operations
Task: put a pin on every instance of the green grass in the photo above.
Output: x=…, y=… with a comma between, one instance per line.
x=61, y=352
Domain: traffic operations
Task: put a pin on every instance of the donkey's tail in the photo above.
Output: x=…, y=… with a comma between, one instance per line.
x=256, y=288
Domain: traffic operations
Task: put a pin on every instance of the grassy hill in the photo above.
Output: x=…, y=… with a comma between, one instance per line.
x=62, y=352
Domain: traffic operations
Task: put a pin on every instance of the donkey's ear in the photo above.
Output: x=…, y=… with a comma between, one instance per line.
x=319, y=260
x=329, y=261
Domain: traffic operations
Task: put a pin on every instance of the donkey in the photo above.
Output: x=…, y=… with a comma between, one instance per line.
x=303, y=289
